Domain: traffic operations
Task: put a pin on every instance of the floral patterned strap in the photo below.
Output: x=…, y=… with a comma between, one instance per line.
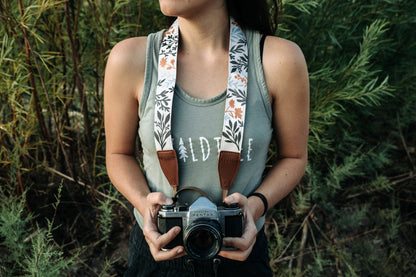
x=234, y=115
x=165, y=88
x=235, y=106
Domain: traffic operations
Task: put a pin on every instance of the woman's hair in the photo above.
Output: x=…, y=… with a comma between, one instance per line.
x=257, y=15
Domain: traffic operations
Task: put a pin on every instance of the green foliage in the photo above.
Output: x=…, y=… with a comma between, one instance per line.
x=27, y=250
x=105, y=218
x=351, y=215
x=358, y=196
x=13, y=231
x=52, y=61
x=45, y=258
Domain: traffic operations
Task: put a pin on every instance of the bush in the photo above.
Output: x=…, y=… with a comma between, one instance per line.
x=28, y=250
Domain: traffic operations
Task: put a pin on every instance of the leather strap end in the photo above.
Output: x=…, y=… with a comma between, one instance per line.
x=169, y=164
x=224, y=194
x=228, y=164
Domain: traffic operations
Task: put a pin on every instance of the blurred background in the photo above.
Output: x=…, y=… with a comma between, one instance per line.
x=353, y=213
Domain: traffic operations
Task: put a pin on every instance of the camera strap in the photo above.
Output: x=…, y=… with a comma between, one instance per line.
x=234, y=114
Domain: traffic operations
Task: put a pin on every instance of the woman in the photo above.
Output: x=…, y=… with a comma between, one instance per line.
x=277, y=101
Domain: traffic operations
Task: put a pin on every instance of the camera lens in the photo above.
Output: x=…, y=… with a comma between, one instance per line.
x=202, y=239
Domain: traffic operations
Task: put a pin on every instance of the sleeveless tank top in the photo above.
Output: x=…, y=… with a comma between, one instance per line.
x=196, y=132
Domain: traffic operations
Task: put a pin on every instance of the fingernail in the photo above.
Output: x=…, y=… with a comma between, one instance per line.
x=168, y=201
x=229, y=199
x=180, y=250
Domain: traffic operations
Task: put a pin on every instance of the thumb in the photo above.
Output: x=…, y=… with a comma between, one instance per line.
x=236, y=198
x=159, y=198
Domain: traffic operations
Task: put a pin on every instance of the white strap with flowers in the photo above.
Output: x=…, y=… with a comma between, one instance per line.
x=234, y=115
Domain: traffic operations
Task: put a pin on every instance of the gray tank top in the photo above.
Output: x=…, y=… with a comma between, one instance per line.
x=196, y=132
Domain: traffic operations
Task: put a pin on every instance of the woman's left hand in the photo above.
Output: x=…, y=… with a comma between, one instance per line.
x=245, y=243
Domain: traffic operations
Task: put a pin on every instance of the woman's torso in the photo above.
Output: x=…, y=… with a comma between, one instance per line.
x=196, y=131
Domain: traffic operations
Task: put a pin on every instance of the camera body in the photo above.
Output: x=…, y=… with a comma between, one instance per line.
x=203, y=225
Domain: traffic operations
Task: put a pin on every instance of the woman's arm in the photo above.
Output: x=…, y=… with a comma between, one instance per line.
x=123, y=81
x=123, y=84
x=287, y=82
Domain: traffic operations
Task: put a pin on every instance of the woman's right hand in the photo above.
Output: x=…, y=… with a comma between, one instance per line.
x=155, y=240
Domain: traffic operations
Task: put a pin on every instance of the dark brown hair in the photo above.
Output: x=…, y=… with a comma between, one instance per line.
x=257, y=15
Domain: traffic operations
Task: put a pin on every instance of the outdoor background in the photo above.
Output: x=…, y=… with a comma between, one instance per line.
x=354, y=212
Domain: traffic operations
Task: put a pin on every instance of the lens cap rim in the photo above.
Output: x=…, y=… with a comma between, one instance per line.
x=217, y=242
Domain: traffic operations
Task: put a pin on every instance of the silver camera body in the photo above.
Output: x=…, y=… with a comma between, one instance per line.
x=203, y=226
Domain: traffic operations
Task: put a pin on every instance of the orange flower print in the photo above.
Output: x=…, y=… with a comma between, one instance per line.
x=172, y=64
x=232, y=103
x=238, y=113
x=242, y=79
x=163, y=62
x=171, y=30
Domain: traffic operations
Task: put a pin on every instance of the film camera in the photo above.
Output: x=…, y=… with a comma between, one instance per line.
x=203, y=225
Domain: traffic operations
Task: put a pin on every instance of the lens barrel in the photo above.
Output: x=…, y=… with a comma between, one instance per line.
x=202, y=239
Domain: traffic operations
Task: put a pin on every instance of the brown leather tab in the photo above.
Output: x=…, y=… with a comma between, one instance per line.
x=228, y=164
x=169, y=164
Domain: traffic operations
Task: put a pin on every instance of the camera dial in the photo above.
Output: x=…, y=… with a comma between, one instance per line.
x=230, y=206
x=168, y=207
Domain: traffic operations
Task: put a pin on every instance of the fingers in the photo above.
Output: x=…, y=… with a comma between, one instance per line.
x=239, y=243
x=160, y=240
x=244, y=248
x=245, y=243
x=246, y=240
x=160, y=255
x=157, y=241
